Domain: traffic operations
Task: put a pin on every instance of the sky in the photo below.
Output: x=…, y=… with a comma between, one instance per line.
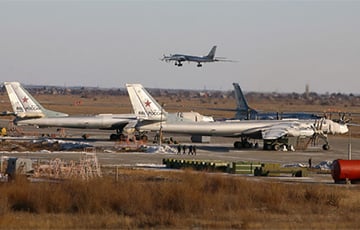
x=278, y=46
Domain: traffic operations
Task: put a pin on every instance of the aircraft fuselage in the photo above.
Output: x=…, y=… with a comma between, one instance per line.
x=101, y=121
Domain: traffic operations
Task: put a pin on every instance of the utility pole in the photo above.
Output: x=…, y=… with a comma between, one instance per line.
x=161, y=118
x=349, y=145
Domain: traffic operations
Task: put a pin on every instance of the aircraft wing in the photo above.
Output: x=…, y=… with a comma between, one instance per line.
x=174, y=57
x=274, y=133
x=291, y=128
x=295, y=128
x=179, y=58
x=279, y=130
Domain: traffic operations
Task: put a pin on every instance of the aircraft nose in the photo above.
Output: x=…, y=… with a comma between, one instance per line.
x=337, y=128
x=344, y=129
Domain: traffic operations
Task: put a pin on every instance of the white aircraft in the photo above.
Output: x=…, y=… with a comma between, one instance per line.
x=28, y=111
x=274, y=133
x=179, y=58
x=148, y=109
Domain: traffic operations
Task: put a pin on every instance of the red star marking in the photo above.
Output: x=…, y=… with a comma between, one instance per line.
x=25, y=99
x=147, y=103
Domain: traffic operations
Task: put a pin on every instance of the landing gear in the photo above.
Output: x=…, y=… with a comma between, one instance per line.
x=244, y=143
x=117, y=137
x=326, y=146
x=114, y=137
x=199, y=64
x=141, y=137
x=277, y=145
x=179, y=64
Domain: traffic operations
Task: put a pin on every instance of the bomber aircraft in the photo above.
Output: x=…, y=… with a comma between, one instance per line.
x=147, y=108
x=245, y=112
x=274, y=133
x=179, y=58
x=29, y=111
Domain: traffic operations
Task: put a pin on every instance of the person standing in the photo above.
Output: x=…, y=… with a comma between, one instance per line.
x=184, y=149
x=179, y=149
x=190, y=150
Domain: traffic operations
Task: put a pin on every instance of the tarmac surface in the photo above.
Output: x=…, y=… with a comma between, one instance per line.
x=219, y=149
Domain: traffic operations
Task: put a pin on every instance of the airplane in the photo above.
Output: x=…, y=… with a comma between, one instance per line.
x=274, y=133
x=179, y=58
x=148, y=109
x=28, y=111
x=245, y=112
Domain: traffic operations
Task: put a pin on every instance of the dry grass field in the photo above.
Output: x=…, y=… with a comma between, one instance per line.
x=163, y=200
x=121, y=104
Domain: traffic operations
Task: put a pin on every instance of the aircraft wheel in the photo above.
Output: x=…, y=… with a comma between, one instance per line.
x=276, y=147
x=237, y=144
x=114, y=137
x=326, y=147
x=247, y=145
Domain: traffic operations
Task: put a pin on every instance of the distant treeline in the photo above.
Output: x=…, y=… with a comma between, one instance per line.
x=311, y=97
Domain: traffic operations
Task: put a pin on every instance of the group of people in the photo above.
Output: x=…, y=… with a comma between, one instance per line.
x=182, y=149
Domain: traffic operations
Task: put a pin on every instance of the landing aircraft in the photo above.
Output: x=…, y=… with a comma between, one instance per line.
x=179, y=58
x=245, y=112
x=274, y=133
x=29, y=111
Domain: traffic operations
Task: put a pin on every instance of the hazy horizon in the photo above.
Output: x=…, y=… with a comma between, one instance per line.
x=180, y=89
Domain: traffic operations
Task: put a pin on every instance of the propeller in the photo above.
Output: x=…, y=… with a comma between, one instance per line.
x=344, y=118
x=165, y=58
x=318, y=132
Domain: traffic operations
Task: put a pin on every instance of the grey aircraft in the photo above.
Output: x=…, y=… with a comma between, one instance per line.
x=179, y=58
x=29, y=111
x=244, y=111
x=274, y=133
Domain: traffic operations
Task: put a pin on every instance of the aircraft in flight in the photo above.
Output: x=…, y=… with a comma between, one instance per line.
x=29, y=111
x=245, y=112
x=274, y=133
x=179, y=58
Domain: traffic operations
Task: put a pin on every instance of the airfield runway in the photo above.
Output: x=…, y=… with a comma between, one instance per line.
x=220, y=149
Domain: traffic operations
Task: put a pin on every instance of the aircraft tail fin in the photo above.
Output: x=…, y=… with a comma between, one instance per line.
x=242, y=107
x=24, y=105
x=144, y=105
x=211, y=54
